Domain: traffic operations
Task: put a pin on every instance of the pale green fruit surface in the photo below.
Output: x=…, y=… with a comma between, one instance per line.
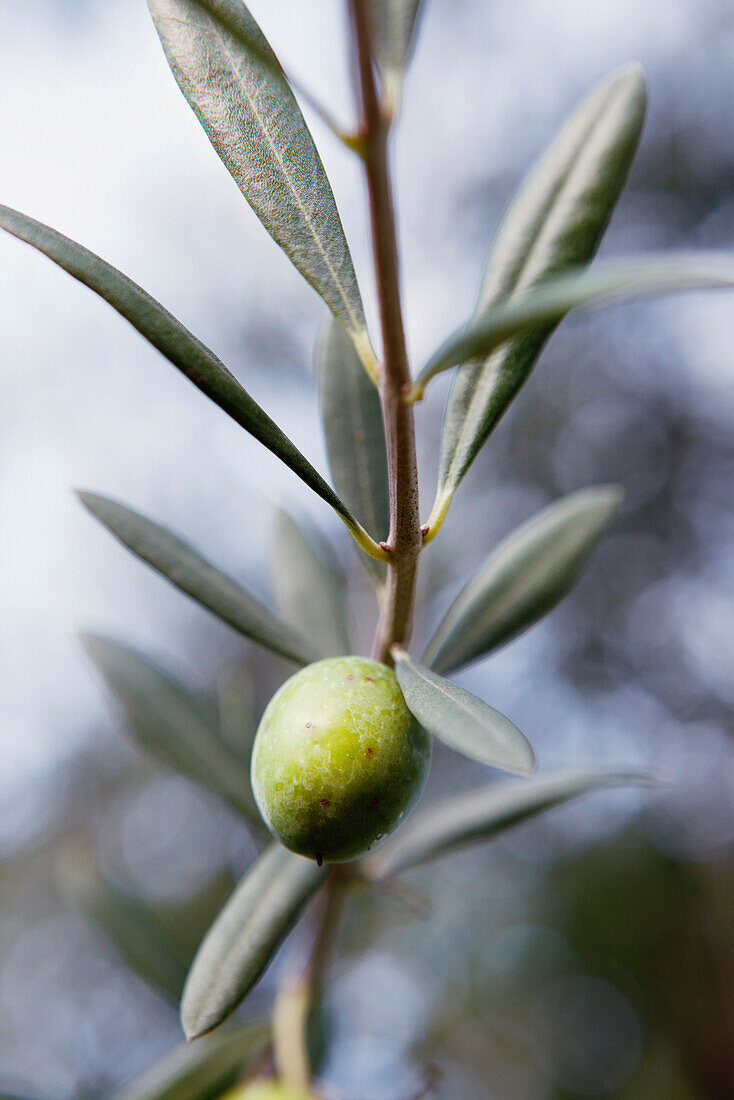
x=338, y=758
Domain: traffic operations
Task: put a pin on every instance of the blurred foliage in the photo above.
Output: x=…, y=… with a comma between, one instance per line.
x=565, y=972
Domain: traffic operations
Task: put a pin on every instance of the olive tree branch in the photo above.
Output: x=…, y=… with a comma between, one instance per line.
x=404, y=540
x=403, y=545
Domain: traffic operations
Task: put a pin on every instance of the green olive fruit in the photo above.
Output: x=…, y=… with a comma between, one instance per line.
x=266, y=1090
x=338, y=759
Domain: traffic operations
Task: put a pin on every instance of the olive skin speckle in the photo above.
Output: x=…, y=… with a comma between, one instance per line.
x=338, y=759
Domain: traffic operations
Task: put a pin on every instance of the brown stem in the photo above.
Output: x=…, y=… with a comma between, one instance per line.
x=404, y=541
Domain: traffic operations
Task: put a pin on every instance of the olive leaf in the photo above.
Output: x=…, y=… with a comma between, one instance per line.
x=481, y=814
x=526, y=576
x=556, y=220
x=191, y=573
x=311, y=592
x=460, y=720
x=231, y=79
x=236, y=710
x=195, y=361
x=171, y=724
x=355, y=434
x=204, y=1070
x=128, y=921
x=188, y=919
x=393, y=24
x=551, y=300
x=245, y=936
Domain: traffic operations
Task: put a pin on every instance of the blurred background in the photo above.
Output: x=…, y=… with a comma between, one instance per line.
x=589, y=953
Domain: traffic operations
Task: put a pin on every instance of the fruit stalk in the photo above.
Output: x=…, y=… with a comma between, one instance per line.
x=405, y=539
x=300, y=990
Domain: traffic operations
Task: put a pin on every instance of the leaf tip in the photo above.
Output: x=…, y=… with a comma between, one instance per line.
x=195, y=1024
x=609, y=497
x=530, y=762
x=91, y=643
x=86, y=497
x=93, y=502
x=631, y=78
x=634, y=73
x=101, y=651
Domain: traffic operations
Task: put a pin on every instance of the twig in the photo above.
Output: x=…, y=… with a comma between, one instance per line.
x=404, y=540
x=320, y=110
x=299, y=990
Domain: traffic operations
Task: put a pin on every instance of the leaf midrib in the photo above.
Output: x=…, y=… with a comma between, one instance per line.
x=451, y=478
x=506, y=595
x=240, y=81
x=272, y=889
x=363, y=465
x=457, y=700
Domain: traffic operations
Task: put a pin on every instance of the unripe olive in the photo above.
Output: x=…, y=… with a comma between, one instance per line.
x=338, y=759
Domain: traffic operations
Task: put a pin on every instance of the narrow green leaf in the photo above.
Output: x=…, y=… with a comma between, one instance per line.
x=393, y=25
x=188, y=919
x=556, y=220
x=231, y=79
x=604, y=284
x=176, y=343
x=130, y=924
x=169, y=722
x=245, y=936
x=355, y=434
x=526, y=576
x=460, y=720
x=236, y=710
x=311, y=592
x=198, y=578
x=204, y=1070
x=483, y=813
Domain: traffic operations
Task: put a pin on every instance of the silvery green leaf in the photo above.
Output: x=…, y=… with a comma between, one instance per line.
x=189, y=571
x=355, y=432
x=460, y=720
x=604, y=284
x=188, y=919
x=393, y=25
x=311, y=591
x=171, y=724
x=203, y=1070
x=526, y=576
x=195, y=361
x=245, y=936
x=236, y=710
x=483, y=813
x=128, y=921
x=231, y=79
x=556, y=220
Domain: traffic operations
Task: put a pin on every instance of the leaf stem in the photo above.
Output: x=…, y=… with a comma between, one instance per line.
x=404, y=540
x=297, y=994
